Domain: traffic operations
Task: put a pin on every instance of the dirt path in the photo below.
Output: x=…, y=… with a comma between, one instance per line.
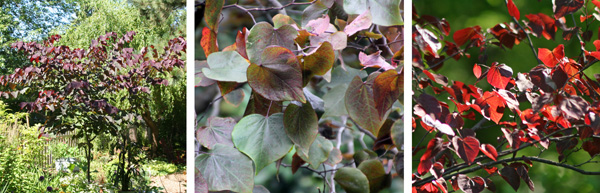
x=172, y=183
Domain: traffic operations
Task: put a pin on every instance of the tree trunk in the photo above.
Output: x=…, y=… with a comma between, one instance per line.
x=154, y=131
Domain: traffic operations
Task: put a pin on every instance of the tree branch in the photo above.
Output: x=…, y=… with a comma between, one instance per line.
x=363, y=130
x=293, y=2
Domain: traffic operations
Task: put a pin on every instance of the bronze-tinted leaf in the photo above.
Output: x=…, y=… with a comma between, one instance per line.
x=263, y=35
x=277, y=76
x=361, y=106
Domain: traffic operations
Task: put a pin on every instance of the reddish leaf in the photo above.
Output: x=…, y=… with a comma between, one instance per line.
x=361, y=106
x=477, y=70
x=592, y=146
x=478, y=184
x=386, y=90
x=440, y=79
x=434, y=146
x=240, y=42
x=510, y=175
x=565, y=7
x=542, y=25
x=596, y=3
x=278, y=76
x=499, y=75
x=512, y=10
x=209, y=41
x=296, y=163
x=467, y=148
x=471, y=33
x=489, y=151
x=427, y=188
x=550, y=59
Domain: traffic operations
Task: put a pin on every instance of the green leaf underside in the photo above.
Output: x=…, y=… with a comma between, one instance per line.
x=225, y=168
x=301, y=125
x=226, y=66
x=318, y=153
x=263, y=35
x=262, y=138
x=277, y=77
x=361, y=106
x=334, y=104
x=352, y=180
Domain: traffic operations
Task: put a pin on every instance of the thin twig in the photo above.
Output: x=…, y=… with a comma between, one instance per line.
x=363, y=130
x=293, y=2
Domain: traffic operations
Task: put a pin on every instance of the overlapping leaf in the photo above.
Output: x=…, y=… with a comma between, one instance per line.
x=277, y=76
x=217, y=131
x=352, y=180
x=318, y=152
x=361, y=106
x=263, y=35
x=225, y=168
x=226, y=66
x=301, y=125
x=262, y=138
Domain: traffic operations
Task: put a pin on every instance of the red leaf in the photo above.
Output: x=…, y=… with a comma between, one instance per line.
x=209, y=41
x=477, y=71
x=542, y=25
x=467, y=148
x=512, y=10
x=433, y=147
x=489, y=151
x=440, y=79
x=428, y=188
x=499, y=75
x=462, y=36
x=550, y=59
x=596, y=2
x=565, y=7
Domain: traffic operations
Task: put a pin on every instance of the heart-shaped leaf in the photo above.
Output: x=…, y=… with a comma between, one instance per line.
x=352, y=180
x=489, y=151
x=277, y=76
x=375, y=172
x=301, y=125
x=217, y=131
x=225, y=168
x=319, y=61
x=499, y=75
x=262, y=138
x=467, y=148
x=226, y=66
x=334, y=104
x=263, y=35
x=361, y=106
x=551, y=58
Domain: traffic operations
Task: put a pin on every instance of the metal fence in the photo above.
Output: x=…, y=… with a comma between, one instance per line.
x=44, y=158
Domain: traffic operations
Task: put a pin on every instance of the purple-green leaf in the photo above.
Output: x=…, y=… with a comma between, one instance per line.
x=361, y=106
x=225, y=168
x=277, y=76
